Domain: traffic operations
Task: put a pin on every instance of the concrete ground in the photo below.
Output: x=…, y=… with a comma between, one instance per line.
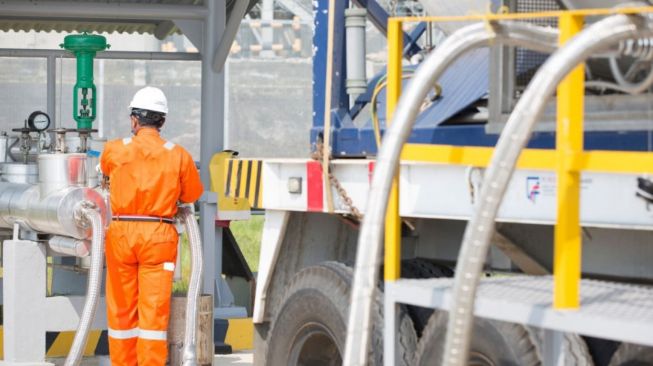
x=241, y=358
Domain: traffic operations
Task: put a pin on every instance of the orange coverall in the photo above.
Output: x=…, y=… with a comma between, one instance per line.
x=148, y=176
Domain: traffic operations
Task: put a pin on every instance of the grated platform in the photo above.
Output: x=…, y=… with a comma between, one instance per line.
x=608, y=310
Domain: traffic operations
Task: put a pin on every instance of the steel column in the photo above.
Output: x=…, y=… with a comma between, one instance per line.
x=52, y=88
x=211, y=142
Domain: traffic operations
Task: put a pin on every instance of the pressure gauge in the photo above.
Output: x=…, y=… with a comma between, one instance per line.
x=38, y=121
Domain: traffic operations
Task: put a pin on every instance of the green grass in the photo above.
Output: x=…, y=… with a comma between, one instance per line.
x=248, y=236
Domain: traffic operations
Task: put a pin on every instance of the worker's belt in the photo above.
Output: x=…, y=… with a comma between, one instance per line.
x=167, y=220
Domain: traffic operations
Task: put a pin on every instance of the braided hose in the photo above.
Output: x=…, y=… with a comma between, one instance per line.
x=90, y=215
x=368, y=257
x=187, y=216
x=514, y=137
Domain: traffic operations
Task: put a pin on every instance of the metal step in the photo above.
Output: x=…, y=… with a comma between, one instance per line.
x=609, y=310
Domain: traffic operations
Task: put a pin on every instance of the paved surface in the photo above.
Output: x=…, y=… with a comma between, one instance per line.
x=243, y=358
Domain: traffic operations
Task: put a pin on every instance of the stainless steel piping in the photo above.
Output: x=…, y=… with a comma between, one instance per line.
x=369, y=250
x=92, y=217
x=52, y=214
x=189, y=357
x=514, y=137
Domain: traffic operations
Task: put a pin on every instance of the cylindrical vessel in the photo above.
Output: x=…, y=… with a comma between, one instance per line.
x=61, y=245
x=355, y=32
x=19, y=173
x=58, y=171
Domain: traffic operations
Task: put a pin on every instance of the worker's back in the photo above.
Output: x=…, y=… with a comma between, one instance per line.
x=149, y=175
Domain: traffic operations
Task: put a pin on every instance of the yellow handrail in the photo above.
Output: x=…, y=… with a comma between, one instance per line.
x=568, y=160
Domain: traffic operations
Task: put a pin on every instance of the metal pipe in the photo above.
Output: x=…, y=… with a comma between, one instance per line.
x=52, y=214
x=93, y=218
x=52, y=88
x=368, y=255
x=99, y=10
x=187, y=215
x=106, y=55
x=514, y=137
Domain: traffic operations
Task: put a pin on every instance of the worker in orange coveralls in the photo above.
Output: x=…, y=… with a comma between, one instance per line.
x=148, y=176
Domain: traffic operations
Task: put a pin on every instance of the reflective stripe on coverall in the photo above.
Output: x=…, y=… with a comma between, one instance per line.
x=148, y=176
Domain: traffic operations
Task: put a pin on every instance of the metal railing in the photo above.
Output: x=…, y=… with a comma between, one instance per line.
x=568, y=159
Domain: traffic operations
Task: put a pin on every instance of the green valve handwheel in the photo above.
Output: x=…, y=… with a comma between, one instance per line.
x=84, y=47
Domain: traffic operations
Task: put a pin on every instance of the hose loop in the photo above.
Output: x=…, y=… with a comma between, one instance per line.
x=189, y=354
x=89, y=214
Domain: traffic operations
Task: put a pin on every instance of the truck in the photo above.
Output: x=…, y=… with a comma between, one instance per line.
x=314, y=257
x=315, y=265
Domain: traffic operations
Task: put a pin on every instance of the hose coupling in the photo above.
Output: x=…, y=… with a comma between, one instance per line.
x=79, y=214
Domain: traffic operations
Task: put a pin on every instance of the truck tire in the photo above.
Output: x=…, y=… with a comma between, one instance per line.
x=422, y=268
x=311, y=324
x=494, y=343
x=576, y=351
x=632, y=355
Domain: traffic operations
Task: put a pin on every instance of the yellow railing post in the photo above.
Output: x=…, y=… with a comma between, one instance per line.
x=392, y=266
x=569, y=146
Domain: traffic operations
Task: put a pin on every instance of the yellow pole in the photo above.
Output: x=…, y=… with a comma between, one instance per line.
x=392, y=266
x=569, y=145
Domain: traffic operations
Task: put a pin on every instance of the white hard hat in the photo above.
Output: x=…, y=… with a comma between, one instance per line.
x=151, y=99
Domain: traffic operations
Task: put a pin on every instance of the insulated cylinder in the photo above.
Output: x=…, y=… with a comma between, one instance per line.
x=58, y=171
x=61, y=245
x=19, y=173
x=53, y=214
x=355, y=32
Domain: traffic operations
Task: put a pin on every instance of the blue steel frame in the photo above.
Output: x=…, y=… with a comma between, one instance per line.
x=340, y=105
x=351, y=141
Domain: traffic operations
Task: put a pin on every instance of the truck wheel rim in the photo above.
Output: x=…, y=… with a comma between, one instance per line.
x=315, y=345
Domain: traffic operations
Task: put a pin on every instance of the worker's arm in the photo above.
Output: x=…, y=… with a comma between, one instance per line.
x=191, y=185
x=106, y=163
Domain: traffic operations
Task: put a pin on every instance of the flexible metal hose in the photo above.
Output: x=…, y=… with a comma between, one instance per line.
x=515, y=135
x=92, y=216
x=369, y=250
x=189, y=357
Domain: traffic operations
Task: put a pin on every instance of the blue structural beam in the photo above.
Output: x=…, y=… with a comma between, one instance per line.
x=339, y=97
x=379, y=17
